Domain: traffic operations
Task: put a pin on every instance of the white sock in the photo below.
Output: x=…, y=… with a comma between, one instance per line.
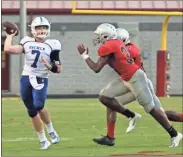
x=49, y=127
x=42, y=136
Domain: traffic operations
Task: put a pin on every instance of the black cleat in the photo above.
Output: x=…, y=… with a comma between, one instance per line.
x=105, y=140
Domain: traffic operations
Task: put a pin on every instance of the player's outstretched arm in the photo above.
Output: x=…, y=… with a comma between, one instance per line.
x=96, y=67
x=9, y=48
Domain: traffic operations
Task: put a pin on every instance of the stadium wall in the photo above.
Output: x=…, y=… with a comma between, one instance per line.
x=76, y=77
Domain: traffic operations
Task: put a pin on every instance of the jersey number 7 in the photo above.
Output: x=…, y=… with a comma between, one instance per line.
x=37, y=52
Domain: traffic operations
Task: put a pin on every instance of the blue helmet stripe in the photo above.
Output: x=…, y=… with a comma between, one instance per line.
x=41, y=19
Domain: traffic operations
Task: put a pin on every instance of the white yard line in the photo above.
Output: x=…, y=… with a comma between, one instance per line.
x=30, y=139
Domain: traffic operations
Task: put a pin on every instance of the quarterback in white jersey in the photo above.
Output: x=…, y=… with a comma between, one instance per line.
x=41, y=57
x=34, y=52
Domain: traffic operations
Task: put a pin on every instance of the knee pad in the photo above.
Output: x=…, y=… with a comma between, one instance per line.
x=105, y=100
x=148, y=107
x=32, y=112
x=146, y=100
x=102, y=99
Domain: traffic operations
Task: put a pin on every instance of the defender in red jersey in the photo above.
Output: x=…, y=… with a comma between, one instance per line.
x=134, y=52
x=113, y=51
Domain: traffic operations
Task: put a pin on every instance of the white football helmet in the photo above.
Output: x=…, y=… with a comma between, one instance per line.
x=123, y=35
x=40, y=21
x=104, y=32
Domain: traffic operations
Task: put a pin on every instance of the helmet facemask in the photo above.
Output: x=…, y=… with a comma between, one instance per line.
x=41, y=31
x=104, y=33
x=96, y=40
x=100, y=39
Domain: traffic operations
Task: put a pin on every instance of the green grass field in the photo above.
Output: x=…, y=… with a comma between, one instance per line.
x=79, y=120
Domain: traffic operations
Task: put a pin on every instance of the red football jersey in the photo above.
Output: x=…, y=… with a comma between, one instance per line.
x=135, y=54
x=120, y=59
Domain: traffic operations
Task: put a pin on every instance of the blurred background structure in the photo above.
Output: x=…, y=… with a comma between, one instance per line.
x=72, y=27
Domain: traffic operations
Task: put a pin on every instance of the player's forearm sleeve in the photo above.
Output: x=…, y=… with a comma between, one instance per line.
x=54, y=56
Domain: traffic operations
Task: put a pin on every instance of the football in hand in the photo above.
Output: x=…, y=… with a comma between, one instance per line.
x=10, y=27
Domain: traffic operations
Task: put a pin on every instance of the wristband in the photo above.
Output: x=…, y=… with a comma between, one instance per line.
x=85, y=55
x=54, y=68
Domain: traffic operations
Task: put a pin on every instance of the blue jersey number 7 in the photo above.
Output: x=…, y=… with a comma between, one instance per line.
x=37, y=52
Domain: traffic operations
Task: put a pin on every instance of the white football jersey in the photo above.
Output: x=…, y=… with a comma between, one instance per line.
x=34, y=51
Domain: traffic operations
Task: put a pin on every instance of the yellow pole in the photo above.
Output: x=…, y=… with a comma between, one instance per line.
x=164, y=33
x=73, y=5
x=124, y=12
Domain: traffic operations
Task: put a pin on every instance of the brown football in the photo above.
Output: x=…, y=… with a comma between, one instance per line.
x=10, y=27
